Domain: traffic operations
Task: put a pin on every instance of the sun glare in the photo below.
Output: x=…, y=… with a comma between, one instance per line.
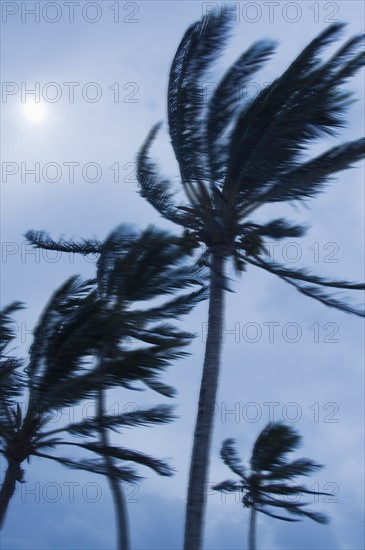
x=34, y=112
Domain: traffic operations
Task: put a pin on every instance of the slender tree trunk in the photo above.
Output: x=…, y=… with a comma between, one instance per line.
x=8, y=488
x=199, y=467
x=114, y=484
x=252, y=530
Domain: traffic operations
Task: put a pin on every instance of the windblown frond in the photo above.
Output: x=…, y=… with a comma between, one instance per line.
x=326, y=299
x=276, y=516
x=155, y=265
x=230, y=457
x=159, y=466
x=115, y=247
x=181, y=305
x=298, y=278
x=157, y=190
x=277, y=229
x=95, y=466
x=298, y=107
x=299, y=467
x=160, y=414
x=11, y=380
x=293, y=508
x=59, y=313
x=272, y=444
x=309, y=178
x=228, y=486
x=198, y=48
x=304, y=275
x=226, y=100
x=41, y=239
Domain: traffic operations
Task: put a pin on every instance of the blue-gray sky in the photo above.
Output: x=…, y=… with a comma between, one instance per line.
x=115, y=57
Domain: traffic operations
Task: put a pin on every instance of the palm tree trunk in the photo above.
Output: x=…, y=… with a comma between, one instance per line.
x=115, y=487
x=199, y=467
x=252, y=530
x=8, y=488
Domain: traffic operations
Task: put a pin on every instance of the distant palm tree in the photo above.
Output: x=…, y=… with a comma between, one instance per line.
x=235, y=156
x=271, y=475
x=82, y=347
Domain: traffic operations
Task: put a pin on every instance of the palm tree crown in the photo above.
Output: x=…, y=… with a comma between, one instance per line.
x=235, y=156
x=270, y=479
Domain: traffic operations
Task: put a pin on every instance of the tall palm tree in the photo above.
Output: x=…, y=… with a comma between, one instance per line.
x=80, y=350
x=235, y=156
x=270, y=477
x=133, y=270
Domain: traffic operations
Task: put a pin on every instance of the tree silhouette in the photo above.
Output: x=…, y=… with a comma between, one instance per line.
x=81, y=347
x=235, y=156
x=131, y=271
x=270, y=478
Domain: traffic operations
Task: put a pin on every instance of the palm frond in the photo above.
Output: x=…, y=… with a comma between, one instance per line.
x=304, y=275
x=158, y=191
x=61, y=339
x=115, y=247
x=230, y=457
x=226, y=99
x=276, y=229
x=160, y=414
x=300, y=467
x=159, y=466
x=159, y=387
x=7, y=332
x=227, y=486
x=272, y=444
x=315, y=516
x=276, y=516
x=321, y=296
x=12, y=381
x=41, y=239
x=276, y=126
x=155, y=265
x=124, y=369
x=95, y=466
x=62, y=304
x=308, y=179
x=162, y=334
x=251, y=237
x=198, y=48
x=298, y=278
x=283, y=489
x=343, y=55
x=178, y=306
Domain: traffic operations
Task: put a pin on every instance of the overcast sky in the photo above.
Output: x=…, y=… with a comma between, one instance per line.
x=101, y=69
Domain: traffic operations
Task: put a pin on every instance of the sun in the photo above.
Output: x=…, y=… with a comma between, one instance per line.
x=34, y=111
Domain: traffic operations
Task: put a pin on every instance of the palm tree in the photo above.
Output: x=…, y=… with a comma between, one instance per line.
x=80, y=350
x=235, y=156
x=132, y=270
x=270, y=477
x=50, y=391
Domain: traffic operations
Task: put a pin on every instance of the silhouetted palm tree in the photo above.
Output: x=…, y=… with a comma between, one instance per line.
x=235, y=156
x=270, y=478
x=81, y=347
x=133, y=270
